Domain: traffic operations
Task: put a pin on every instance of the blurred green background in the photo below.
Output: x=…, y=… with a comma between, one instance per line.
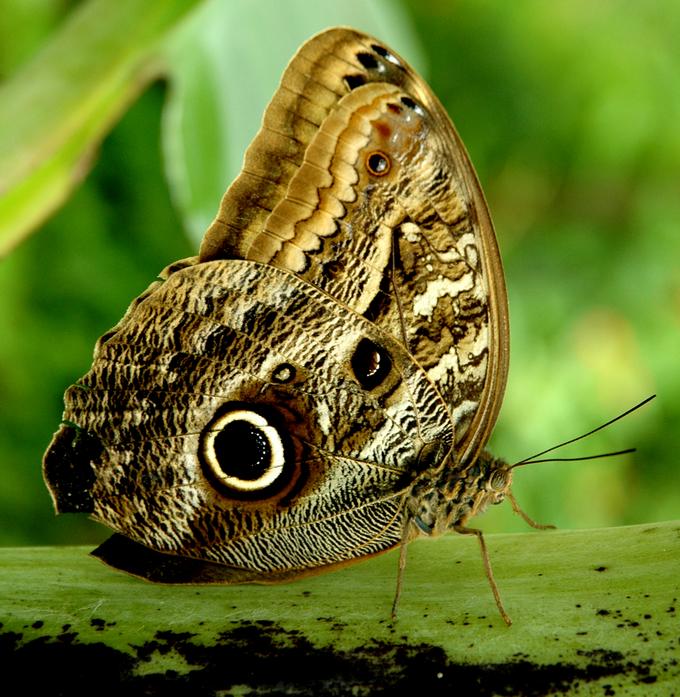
x=571, y=113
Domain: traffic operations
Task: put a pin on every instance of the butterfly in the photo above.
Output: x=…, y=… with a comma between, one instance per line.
x=319, y=384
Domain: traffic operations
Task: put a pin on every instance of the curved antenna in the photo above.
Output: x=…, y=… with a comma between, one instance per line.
x=531, y=459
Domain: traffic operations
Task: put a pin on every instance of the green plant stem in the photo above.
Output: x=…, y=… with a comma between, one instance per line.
x=591, y=609
x=56, y=110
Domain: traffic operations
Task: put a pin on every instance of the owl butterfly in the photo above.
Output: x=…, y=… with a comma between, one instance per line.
x=319, y=383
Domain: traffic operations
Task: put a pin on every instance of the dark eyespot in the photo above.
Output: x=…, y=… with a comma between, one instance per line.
x=413, y=105
x=354, y=81
x=367, y=60
x=283, y=373
x=245, y=450
x=245, y=455
x=382, y=51
x=371, y=364
x=378, y=163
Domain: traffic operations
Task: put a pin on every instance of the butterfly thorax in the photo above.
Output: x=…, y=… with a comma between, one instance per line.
x=453, y=495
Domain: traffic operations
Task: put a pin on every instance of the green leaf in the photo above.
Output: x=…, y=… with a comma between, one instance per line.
x=57, y=109
x=595, y=612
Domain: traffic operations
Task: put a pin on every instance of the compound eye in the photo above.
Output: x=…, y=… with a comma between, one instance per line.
x=244, y=453
x=499, y=481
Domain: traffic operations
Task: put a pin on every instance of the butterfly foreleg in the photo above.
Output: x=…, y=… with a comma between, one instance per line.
x=527, y=519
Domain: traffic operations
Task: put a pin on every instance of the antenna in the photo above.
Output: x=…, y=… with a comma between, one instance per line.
x=532, y=460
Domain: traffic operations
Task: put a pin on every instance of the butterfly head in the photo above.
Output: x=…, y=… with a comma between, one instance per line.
x=493, y=482
x=454, y=496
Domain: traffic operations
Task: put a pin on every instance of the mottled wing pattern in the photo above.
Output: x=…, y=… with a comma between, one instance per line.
x=330, y=364
x=136, y=423
x=405, y=240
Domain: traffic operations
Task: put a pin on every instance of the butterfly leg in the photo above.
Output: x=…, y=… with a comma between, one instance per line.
x=487, y=566
x=400, y=571
x=529, y=521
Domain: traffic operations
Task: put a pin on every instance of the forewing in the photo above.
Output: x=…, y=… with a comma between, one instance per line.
x=407, y=243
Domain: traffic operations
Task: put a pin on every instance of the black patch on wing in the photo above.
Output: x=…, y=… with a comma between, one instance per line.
x=67, y=468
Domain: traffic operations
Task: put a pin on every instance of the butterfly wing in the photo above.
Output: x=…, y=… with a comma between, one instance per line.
x=235, y=416
x=264, y=409
x=359, y=184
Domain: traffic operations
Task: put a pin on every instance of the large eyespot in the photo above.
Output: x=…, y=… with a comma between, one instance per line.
x=370, y=363
x=378, y=163
x=245, y=454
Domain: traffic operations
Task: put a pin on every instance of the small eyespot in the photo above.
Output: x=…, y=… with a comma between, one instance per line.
x=354, y=81
x=381, y=51
x=244, y=454
x=283, y=373
x=413, y=105
x=367, y=60
x=371, y=364
x=378, y=163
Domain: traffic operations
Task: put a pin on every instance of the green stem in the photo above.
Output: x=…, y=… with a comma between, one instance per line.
x=594, y=612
